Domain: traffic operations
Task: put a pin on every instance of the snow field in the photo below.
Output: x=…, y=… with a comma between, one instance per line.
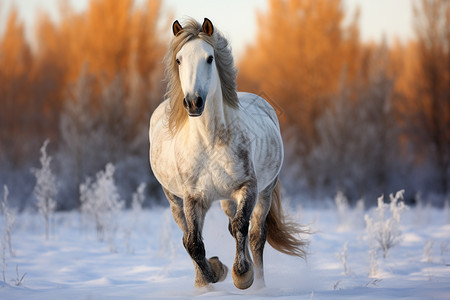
x=148, y=261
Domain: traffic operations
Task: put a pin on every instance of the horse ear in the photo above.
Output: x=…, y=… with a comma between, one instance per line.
x=176, y=27
x=207, y=27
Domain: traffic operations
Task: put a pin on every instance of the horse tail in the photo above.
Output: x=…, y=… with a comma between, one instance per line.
x=283, y=234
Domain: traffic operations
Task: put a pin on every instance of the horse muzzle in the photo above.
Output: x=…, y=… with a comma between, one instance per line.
x=194, y=106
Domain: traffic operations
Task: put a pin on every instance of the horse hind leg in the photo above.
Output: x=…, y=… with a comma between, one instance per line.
x=258, y=232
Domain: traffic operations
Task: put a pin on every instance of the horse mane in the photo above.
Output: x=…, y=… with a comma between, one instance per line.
x=224, y=63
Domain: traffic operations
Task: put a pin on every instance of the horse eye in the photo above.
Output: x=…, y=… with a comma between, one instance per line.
x=178, y=61
x=210, y=59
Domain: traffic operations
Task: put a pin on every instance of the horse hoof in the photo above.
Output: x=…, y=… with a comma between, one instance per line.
x=243, y=281
x=219, y=269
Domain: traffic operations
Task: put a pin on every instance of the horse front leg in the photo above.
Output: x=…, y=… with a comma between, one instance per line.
x=229, y=207
x=245, y=197
x=206, y=270
x=176, y=206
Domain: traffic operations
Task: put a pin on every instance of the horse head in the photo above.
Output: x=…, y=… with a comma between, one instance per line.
x=197, y=70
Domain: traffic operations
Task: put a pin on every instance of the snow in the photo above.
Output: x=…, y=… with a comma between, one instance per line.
x=150, y=262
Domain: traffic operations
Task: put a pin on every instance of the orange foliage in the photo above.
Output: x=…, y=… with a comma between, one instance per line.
x=301, y=50
x=304, y=57
x=15, y=52
x=430, y=100
x=111, y=38
x=422, y=87
x=15, y=62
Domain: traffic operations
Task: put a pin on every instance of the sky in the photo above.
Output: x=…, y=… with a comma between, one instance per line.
x=237, y=18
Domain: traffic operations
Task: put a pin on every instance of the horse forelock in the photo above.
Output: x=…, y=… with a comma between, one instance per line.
x=224, y=63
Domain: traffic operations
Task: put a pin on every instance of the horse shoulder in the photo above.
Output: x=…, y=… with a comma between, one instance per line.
x=161, y=158
x=157, y=118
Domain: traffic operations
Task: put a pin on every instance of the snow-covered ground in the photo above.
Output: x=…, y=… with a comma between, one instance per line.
x=145, y=259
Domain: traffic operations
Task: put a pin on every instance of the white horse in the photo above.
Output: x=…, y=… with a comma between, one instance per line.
x=208, y=143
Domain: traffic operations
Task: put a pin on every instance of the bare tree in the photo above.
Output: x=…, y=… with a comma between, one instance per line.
x=357, y=136
x=431, y=103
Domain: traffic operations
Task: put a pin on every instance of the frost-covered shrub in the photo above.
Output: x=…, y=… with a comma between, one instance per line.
x=428, y=252
x=383, y=228
x=138, y=199
x=349, y=218
x=166, y=245
x=45, y=189
x=343, y=257
x=447, y=211
x=136, y=209
x=373, y=264
x=342, y=207
x=422, y=211
x=9, y=218
x=101, y=202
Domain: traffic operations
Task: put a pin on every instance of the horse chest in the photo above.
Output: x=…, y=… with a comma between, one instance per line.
x=212, y=171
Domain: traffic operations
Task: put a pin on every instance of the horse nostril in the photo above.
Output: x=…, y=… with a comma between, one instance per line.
x=199, y=102
x=186, y=104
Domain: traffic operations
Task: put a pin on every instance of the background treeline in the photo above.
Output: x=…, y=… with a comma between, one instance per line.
x=364, y=119
x=361, y=118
